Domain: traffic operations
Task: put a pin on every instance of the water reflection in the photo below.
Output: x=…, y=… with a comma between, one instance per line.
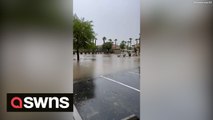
x=99, y=98
x=83, y=91
x=92, y=65
x=96, y=98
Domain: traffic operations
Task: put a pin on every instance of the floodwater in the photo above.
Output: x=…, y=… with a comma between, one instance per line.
x=101, y=99
x=93, y=65
x=96, y=96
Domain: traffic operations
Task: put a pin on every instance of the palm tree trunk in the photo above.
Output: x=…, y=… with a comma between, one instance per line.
x=78, y=57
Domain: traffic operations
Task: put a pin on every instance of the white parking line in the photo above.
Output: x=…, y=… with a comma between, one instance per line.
x=76, y=115
x=134, y=73
x=119, y=83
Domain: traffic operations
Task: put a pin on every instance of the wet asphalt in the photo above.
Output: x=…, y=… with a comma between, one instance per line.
x=110, y=97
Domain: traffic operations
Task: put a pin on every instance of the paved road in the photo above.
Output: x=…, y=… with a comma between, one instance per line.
x=109, y=97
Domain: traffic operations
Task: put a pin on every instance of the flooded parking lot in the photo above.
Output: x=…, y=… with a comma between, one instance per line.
x=109, y=97
x=93, y=65
x=106, y=87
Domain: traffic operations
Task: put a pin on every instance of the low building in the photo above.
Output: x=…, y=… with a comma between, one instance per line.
x=116, y=49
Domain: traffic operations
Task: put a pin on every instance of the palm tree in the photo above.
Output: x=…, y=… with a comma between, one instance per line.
x=104, y=39
x=136, y=40
x=123, y=41
x=110, y=40
x=130, y=42
x=127, y=44
x=122, y=45
x=115, y=42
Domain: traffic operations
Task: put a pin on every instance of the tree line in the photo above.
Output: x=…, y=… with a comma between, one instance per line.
x=84, y=37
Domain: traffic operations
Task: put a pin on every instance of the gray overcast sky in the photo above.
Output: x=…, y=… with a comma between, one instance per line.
x=111, y=18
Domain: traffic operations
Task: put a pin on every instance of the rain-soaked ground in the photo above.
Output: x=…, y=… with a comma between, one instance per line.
x=92, y=65
x=110, y=88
